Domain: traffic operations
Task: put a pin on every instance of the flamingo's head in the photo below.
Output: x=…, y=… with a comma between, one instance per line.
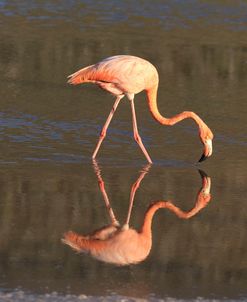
x=206, y=137
x=204, y=195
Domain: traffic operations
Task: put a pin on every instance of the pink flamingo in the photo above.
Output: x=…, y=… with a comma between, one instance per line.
x=123, y=245
x=125, y=75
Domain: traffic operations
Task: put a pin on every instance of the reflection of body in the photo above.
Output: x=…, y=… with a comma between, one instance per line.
x=124, y=245
x=125, y=76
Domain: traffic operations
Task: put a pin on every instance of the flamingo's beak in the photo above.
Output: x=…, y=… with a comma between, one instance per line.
x=206, y=182
x=208, y=150
x=207, y=187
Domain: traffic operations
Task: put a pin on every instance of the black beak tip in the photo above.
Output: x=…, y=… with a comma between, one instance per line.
x=203, y=157
x=202, y=173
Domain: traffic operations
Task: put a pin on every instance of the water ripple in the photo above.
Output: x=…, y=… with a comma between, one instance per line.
x=168, y=14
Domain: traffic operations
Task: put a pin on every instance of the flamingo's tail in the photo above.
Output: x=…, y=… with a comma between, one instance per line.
x=82, y=76
x=73, y=240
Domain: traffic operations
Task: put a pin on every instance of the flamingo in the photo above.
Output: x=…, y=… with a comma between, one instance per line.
x=125, y=75
x=123, y=245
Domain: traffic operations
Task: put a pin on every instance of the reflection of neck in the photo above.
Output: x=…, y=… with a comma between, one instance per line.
x=147, y=222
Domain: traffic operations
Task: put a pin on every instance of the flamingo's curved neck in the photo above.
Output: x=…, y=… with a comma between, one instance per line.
x=148, y=218
x=152, y=102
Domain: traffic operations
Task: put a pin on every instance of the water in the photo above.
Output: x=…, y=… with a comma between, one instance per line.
x=49, y=185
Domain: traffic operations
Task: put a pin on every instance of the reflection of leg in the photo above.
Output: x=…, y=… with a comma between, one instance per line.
x=136, y=133
x=134, y=188
x=105, y=127
x=105, y=196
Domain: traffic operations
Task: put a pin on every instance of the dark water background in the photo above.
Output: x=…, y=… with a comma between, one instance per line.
x=49, y=130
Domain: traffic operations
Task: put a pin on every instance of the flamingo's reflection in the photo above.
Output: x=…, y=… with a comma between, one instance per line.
x=122, y=245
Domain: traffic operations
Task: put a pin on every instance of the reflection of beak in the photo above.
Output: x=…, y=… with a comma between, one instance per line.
x=202, y=173
x=207, y=186
x=208, y=150
x=206, y=182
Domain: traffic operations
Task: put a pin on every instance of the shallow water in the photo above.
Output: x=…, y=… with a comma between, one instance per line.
x=49, y=185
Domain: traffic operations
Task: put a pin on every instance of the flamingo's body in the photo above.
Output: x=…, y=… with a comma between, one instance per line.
x=115, y=244
x=125, y=75
x=120, y=247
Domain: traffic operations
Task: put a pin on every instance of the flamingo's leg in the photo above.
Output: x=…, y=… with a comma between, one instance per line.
x=135, y=130
x=114, y=221
x=134, y=188
x=105, y=127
